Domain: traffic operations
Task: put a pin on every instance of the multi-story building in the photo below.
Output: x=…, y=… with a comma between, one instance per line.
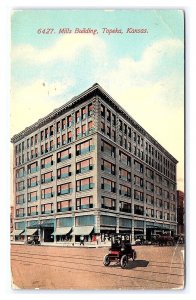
x=89, y=168
x=180, y=212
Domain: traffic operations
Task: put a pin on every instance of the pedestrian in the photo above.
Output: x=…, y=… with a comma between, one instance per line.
x=81, y=240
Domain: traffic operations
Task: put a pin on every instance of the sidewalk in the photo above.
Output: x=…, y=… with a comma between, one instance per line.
x=69, y=244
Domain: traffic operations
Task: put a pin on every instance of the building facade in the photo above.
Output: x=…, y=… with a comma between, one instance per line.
x=88, y=168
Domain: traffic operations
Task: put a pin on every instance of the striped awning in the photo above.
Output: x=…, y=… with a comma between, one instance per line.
x=62, y=230
x=82, y=230
x=17, y=231
x=30, y=231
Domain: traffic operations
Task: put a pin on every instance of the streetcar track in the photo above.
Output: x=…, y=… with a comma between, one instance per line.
x=92, y=259
x=97, y=265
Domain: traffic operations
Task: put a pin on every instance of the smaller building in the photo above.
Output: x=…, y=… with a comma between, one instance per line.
x=180, y=212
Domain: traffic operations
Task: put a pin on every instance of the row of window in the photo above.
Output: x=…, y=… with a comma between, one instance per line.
x=66, y=122
x=49, y=146
x=87, y=202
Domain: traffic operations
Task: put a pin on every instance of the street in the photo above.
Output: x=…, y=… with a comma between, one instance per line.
x=49, y=267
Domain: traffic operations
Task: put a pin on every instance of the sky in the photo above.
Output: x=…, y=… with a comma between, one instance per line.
x=143, y=72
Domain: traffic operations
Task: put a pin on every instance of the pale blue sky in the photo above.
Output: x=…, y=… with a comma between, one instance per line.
x=139, y=70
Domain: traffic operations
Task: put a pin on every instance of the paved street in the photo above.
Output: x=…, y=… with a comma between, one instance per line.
x=47, y=267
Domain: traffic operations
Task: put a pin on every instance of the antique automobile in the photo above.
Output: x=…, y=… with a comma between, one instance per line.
x=120, y=251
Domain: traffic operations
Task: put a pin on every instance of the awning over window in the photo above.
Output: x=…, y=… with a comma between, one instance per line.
x=17, y=231
x=82, y=230
x=62, y=230
x=30, y=231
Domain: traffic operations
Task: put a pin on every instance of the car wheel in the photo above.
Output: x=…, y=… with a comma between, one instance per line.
x=123, y=261
x=106, y=260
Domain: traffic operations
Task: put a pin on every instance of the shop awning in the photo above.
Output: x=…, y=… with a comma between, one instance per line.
x=82, y=230
x=17, y=231
x=30, y=231
x=62, y=230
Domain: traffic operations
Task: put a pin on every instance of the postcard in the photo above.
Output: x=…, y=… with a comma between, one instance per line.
x=97, y=134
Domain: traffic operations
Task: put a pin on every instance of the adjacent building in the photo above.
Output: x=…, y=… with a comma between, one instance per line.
x=88, y=168
x=180, y=212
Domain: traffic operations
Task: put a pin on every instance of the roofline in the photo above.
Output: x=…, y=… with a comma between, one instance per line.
x=58, y=111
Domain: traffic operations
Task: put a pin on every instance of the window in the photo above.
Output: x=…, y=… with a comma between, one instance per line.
x=36, y=152
x=69, y=136
x=20, y=186
x=32, y=168
x=47, y=208
x=129, y=132
x=90, y=109
x=20, y=172
x=32, y=181
x=83, y=113
x=51, y=130
x=69, y=121
x=77, y=116
x=84, y=166
x=125, y=159
x=108, y=115
x=84, y=130
x=58, y=125
x=149, y=186
x=63, y=124
x=138, y=166
x=113, y=120
x=46, y=147
x=51, y=145
x=134, y=136
x=64, y=172
x=158, y=190
x=107, y=167
x=46, y=162
x=20, y=199
x=31, y=141
x=84, y=147
x=108, y=185
x=102, y=127
x=125, y=207
x=102, y=110
x=20, y=212
x=90, y=127
x=138, y=195
x=107, y=148
x=58, y=142
x=124, y=190
x=65, y=188
x=47, y=193
x=159, y=214
x=108, y=203
x=149, y=212
x=159, y=202
x=64, y=206
x=166, y=194
x=138, y=181
x=125, y=129
x=120, y=125
x=46, y=133
x=138, y=210
x=149, y=199
x=63, y=155
x=27, y=143
x=78, y=133
x=114, y=135
x=32, y=196
x=32, y=210
x=84, y=202
x=47, y=177
x=84, y=184
x=124, y=175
